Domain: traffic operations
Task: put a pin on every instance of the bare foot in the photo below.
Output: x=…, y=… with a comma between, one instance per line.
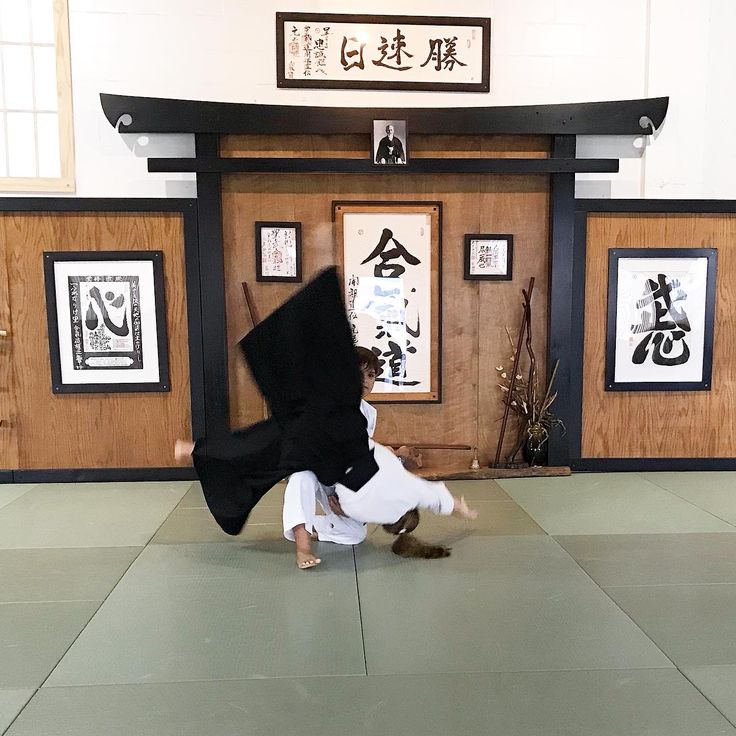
x=305, y=560
x=183, y=450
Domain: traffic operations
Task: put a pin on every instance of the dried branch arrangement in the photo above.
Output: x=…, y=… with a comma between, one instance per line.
x=522, y=394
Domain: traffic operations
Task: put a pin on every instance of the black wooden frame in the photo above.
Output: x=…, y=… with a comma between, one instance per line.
x=188, y=208
x=283, y=82
x=50, y=259
x=573, y=399
x=297, y=227
x=614, y=255
x=508, y=276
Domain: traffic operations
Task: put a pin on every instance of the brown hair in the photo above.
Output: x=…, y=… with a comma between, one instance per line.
x=368, y=359
x=407, y=545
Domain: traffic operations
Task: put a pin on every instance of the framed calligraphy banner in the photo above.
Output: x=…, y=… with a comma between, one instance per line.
x=389, y=254
x=107, y=321
x=339, y=51
x=278, y=251
x=661, y=310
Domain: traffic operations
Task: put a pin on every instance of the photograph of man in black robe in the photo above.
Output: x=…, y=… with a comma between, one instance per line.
x=390, y=149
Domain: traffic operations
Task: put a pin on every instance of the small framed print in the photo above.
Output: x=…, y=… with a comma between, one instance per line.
x=390, y=143
x=489, y=257
x=278, y=251
x=107, y=321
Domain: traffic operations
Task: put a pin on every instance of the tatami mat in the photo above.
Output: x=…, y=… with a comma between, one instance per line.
x=88, y=514
x=497, y=605
x=603, y=703
x=608, y=503
x=125, y=610
x=71, y=574
x=219, y=611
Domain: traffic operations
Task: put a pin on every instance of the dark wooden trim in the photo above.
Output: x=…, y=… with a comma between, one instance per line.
x=102, y=475
x=187, y=206
x=194, y=323
x=162, y=115
x=574, y=422
x=652, y=464
x=679, y=206
x=6, y=476
x=560, y=311
x=212, y=285
x=240, y=164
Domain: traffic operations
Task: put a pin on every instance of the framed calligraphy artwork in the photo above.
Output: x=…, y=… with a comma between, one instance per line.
x=278, y=251
x=489, y=257
x=661, y=310
x=389, y=254
x=107, y=321
x=341, y=51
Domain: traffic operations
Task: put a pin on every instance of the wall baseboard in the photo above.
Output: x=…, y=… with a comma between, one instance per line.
x=651, y=464
x=97, y=475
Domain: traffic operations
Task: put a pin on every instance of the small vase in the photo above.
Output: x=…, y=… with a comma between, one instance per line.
x=535, y=447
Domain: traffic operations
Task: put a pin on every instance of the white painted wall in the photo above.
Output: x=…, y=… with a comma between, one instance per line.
x=543, y=51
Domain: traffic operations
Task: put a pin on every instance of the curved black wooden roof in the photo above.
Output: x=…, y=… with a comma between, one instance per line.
x=161, y=115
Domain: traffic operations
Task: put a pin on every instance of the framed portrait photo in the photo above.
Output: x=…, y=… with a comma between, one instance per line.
x=390, y=143
x=278, y=251
x=390, y=255
x=107, y=321
x=661, y=311
x=489, y=257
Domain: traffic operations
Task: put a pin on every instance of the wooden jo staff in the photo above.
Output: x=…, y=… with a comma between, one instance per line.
x=254, y=319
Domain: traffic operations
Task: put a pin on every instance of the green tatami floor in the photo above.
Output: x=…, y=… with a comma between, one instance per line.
x=597, y=604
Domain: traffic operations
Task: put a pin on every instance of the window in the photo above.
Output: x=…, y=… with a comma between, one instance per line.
x=36, y=137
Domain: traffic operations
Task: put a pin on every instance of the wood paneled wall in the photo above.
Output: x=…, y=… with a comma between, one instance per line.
x=116, y=430
x=474, y=314
x=695, y=424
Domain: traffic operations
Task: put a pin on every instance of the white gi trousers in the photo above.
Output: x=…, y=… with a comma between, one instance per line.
x=303, y=492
